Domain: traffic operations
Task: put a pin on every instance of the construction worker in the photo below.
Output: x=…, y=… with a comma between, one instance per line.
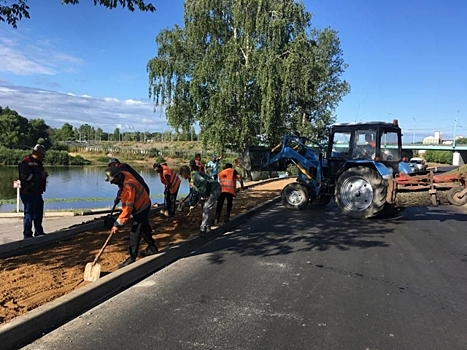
x=136, y=203
x=33, y=179
x=369, y=140
x=172, y=184
x=228, y=181
x=187, y=200
x=203, y=188
x=126, y=167
x=199, y=164
x=213, y=166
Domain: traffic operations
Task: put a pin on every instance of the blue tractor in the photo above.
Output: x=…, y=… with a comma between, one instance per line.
x=357, y=168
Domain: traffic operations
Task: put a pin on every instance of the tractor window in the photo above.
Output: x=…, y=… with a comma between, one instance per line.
x=390, y=146
x=365, y=144
x=341, y=145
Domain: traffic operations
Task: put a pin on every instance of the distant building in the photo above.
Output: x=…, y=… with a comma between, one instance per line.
x=433, y=140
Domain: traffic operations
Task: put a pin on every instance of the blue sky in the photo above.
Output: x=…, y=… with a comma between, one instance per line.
x=86, y=64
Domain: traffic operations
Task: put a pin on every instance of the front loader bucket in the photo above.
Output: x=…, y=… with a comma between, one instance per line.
x=256, y=158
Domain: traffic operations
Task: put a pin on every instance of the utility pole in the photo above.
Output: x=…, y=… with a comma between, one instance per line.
x=414, y=122
x=455, y=127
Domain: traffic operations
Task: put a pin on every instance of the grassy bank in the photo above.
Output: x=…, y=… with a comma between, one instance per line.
x=175, y=153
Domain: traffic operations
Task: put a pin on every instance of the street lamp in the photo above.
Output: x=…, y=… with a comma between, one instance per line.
x=455, y=127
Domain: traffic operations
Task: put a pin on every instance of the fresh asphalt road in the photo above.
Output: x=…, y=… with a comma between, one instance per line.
x=312, y=279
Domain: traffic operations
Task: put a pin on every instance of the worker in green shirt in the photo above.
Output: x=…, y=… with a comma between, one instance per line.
x=203, y=188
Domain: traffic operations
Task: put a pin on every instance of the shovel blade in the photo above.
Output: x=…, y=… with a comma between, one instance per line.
x=92, y=272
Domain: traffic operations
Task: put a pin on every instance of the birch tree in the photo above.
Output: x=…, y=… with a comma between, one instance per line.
x=247, y=71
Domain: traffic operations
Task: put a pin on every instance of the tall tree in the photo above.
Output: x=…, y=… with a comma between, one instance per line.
x=17, y=9
x=38, y=129
x=247, y=70
x=65, y=133
x=14, y=129
x=116, y=134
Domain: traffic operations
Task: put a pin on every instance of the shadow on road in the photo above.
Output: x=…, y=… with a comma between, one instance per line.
x=281, y=231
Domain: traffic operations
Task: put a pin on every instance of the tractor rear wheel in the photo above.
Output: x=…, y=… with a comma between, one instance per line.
x=453, y=196
x=295, y=196
x=361, y=192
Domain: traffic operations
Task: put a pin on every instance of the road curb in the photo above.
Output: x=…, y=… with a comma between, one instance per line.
x=28, y=327
x=25, y=245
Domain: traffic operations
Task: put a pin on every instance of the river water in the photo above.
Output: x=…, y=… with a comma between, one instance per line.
x=74, y=188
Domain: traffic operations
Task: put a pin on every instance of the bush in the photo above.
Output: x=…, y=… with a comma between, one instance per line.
x=102, y=159
x=443, y=157
x=60, y=146
x=153, y=152
x=160, y=159
x=78, y=160
x=12, y=156
x=57, y=158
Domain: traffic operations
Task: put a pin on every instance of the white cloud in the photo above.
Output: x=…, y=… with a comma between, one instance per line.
x=57, y=108
x=22, y=56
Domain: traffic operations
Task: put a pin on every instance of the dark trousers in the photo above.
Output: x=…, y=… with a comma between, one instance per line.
x=33, y=213
x=170, y=199
x=140, y=227
x=220, y=204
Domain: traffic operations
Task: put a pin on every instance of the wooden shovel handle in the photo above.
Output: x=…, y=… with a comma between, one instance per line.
x=102, y=249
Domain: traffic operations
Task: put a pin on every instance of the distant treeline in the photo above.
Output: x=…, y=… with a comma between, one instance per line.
x=13, y=157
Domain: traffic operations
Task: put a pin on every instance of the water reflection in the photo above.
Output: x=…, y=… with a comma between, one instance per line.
x=78, y=188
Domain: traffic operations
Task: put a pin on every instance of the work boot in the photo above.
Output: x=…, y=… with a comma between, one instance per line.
x=150, y=250
x=128, y=261
x=39, y=234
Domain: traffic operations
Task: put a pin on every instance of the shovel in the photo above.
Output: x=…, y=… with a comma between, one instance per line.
x=92, y=271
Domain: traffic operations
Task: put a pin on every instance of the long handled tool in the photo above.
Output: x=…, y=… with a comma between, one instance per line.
x=109, y=219
x=92, y=271
x=187, y=215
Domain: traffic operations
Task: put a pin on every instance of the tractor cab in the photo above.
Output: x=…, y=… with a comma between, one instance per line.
x=374, y=142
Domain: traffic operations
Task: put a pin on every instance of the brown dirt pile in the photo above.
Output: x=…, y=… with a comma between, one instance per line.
x=33, y=279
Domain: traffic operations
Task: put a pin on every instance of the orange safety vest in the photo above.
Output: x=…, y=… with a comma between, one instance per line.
x=174, y=181
x=134, y=198
x=228, y=181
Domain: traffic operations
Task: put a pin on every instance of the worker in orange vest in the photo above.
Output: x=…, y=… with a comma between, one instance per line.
x=172, y=184
x=228, y=180
x=136, y=204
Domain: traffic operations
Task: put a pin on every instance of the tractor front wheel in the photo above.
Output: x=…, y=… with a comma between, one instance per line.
x=361, y=192
x=295, y=196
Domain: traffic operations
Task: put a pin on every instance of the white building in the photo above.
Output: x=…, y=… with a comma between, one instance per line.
x=433, y=140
